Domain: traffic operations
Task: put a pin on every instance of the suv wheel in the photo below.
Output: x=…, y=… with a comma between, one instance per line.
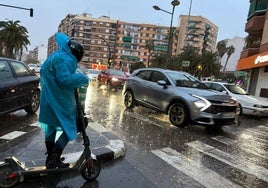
x=129, y=100
x=34, y=103
x=178, y=115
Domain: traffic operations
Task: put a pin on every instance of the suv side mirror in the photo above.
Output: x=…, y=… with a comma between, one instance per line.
x=162, y=82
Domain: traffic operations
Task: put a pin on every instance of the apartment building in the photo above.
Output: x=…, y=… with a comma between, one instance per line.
x=112, y=41
x=122, y=43
x=254, y=59
x=39, y=53
x=132, y=40
x=198, y=32
x=98, y=36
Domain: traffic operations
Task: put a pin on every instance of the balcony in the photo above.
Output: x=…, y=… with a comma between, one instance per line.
x=249, y=52
x=256, y=23
x=127, y=39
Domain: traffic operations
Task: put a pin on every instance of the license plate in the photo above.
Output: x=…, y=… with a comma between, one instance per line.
x=228, y=115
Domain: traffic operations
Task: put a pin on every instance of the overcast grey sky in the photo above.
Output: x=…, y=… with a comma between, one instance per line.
x=229, y=15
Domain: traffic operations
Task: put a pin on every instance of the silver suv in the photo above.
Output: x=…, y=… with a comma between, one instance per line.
x=180, y=95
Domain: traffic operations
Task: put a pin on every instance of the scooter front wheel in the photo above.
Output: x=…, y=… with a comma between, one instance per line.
x=91, y=169
x=7, y=179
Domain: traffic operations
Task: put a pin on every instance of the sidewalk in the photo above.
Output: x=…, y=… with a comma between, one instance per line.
x=30, y=147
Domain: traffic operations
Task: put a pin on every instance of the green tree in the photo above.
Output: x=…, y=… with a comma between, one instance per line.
x=229, y=50
x=209, y=64
x=13, y=37
x=221, y=48
x=191, y=54
x=136, y=65
x=150, y=47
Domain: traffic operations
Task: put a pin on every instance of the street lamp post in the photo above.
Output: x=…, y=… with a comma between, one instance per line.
x=109, y=49
x=174, y=3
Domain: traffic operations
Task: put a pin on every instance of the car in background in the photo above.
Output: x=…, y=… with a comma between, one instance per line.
x=93, y=74
x=180, y=95
x=247, y=104
x=19, y=88
x=35, y=67
x=112, y=78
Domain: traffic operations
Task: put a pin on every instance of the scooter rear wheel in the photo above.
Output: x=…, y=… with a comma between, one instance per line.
x=91, y=169
x=5, y=181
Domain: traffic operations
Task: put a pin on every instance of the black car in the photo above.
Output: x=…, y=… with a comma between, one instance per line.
x=180, y=95
x=19, y=87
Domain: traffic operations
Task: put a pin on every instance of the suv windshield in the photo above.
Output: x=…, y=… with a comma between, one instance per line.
x=185, y=80
x=236, y=89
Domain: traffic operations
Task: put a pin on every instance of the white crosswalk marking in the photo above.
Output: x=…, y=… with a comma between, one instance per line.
x=242, y=146
x=251, y=141
x=12, y=135
x=231, y=160
x=224, y=140
x=193, y=169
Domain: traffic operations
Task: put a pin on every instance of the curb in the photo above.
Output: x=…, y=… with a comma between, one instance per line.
x=115, y=148
x=9, y=144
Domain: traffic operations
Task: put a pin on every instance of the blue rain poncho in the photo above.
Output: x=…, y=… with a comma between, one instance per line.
x=58, y=81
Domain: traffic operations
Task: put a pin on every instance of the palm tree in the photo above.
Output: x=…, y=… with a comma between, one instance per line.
x=13, y=37
x=150, y=47
x=229, y=50
x=221, y=48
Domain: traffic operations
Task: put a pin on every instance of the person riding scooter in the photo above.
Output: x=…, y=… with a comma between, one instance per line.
x=58, y=80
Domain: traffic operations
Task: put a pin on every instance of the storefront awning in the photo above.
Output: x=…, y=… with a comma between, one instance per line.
x=258, y=60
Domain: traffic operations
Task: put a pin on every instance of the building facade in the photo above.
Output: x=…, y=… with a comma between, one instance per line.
x=132, y=43
x=254, y=59
x=198, y=32
x=120, y=44
x=39, y=53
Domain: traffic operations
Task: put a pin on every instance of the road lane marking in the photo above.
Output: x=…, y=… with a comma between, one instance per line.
x=230, y=160
x=225, y=140
x=243, y=146
x=257, y=132
x=193, y=169
x=12, y=135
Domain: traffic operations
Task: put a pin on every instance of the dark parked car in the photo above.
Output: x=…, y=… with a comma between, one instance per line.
x=19, y=87
x=180, y=95
x=112, y=78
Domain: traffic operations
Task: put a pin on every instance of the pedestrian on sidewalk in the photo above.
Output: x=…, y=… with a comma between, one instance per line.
x=58, y=80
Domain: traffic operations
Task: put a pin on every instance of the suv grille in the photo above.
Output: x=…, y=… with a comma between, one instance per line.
x=217, y=108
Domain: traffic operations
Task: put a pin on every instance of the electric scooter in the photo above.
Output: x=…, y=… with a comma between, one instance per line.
x=12, y=171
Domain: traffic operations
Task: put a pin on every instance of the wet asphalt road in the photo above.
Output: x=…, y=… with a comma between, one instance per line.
x=161, y=155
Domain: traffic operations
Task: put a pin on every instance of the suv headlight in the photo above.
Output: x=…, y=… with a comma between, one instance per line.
x=257, y=105
x=202, y=103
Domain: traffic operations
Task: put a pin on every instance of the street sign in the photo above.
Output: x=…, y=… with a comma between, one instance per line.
x=185, y=63
x=240, y=73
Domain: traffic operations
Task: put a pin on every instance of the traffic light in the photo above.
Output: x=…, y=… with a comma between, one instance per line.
x=110, y=61
x=31, y=12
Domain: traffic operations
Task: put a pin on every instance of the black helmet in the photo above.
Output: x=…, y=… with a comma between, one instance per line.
x=76, y=49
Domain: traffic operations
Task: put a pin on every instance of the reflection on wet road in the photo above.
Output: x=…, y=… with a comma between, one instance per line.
x=161, y=155
x=233, y=156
